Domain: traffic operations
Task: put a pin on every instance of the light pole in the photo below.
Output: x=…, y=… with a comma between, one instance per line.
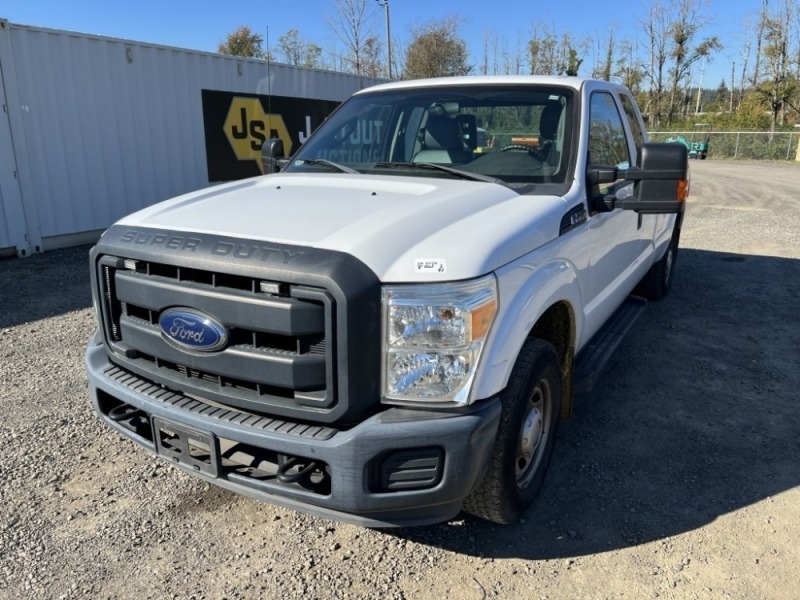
x=385, y=5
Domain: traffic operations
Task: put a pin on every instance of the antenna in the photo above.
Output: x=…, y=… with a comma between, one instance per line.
x=269, y=90
x=267, y=163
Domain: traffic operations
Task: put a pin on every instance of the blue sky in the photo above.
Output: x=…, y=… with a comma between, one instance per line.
x=202, y=24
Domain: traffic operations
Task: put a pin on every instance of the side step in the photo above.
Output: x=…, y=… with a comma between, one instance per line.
x=594, y=356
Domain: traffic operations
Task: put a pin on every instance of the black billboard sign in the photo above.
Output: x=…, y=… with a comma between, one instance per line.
x=236, y=125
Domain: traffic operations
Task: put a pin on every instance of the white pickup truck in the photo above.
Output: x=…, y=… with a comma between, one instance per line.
x=389, y=330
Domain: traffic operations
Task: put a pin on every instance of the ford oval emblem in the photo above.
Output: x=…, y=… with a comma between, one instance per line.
x=190, y=329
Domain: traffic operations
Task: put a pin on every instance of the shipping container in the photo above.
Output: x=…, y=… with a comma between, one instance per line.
x=95, y=127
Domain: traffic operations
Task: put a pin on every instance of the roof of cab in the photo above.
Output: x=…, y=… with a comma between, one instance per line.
x=572, y=82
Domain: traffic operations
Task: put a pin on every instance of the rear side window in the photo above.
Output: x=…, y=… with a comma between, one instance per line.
x=607, y=142
x=633, y=120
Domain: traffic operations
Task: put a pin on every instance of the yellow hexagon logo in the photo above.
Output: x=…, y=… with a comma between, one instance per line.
x=247, y=127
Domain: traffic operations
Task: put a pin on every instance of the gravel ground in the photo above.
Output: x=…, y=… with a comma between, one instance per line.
x=679, y=478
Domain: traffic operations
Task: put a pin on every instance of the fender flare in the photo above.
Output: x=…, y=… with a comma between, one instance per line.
x=522, y=303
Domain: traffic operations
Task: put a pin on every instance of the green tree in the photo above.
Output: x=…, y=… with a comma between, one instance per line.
x=630, y=68
x=242, y=42
x=606, y=69
x=296, y=51
x=436, y=50
x=543, y=52
x=371, y=63
x=721, y=96
x=549, y=55
x=573, y=63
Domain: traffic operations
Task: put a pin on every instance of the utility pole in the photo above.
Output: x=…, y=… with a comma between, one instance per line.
x=385, y=5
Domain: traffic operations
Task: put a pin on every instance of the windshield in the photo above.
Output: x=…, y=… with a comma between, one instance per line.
x=518, y=134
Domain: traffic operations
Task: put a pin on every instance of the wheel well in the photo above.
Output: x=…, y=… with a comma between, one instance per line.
x=557, y=326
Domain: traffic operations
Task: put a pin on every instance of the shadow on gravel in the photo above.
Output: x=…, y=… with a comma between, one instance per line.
x=696, y=416
x=44, y=285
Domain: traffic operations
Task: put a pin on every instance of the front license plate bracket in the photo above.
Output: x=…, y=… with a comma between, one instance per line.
x=196, y=450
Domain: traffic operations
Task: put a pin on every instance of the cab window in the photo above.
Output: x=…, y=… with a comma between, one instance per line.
x=608, y=144
x=633, y=119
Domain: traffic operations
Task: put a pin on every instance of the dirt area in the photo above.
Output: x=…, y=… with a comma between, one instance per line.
x=679, y=478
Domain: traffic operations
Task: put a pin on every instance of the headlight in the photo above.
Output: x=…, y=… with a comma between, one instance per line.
x=433, y=337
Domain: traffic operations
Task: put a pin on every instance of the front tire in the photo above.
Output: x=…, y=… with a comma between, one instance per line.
x=529, y=419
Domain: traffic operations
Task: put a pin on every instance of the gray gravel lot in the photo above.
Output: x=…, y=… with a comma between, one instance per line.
x=679, y=478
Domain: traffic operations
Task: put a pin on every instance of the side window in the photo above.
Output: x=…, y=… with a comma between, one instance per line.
x=633, y=119
x=607, y=142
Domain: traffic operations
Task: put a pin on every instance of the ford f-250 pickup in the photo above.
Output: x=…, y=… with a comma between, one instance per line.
x=389, y=330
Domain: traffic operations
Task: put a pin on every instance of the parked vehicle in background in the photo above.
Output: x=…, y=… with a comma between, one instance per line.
x=697, y=145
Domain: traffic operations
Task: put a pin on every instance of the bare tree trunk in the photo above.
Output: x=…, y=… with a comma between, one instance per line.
x=657, y=32
x=485, y=52
x=777, y=40
x=759, y=42
x=745, y=54
x=353, y=24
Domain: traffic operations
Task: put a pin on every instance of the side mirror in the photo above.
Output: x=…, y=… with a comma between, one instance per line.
x=271, y=153
x=662, y=183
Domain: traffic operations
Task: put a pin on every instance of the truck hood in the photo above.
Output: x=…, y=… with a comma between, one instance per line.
x=403, y=228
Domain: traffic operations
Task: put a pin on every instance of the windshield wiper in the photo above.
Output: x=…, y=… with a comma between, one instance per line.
x=434, y=167
x=325, y=163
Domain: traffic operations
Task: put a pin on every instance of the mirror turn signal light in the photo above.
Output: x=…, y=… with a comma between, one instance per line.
x=683, y=190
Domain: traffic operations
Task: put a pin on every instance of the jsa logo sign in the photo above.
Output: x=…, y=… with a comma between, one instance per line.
x=236, y=124
x=247, y=127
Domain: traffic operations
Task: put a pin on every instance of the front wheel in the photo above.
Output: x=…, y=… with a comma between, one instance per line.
x=528, y=423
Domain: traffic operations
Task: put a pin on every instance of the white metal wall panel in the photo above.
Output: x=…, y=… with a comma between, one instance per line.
x=111, y=126
x=9, y=188
x=5, y=237
x=9, y=185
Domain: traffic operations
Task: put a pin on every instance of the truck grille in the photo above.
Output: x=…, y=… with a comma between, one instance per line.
x=280, y=356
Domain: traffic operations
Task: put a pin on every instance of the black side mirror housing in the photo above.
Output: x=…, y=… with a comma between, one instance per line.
x=272, y=154
x=661, y=179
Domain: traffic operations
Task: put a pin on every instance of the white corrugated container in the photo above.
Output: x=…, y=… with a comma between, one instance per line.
x=95, y=127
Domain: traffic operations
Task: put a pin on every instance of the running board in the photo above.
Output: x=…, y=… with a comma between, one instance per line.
x=594, y=356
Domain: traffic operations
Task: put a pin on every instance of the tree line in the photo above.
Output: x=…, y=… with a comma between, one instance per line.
x=661, y=65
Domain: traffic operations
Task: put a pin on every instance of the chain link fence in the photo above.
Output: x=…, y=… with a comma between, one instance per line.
x=755, y=145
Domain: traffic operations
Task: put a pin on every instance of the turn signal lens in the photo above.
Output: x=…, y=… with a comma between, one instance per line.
x=683, y=190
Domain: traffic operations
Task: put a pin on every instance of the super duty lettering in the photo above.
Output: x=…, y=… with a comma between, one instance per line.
x=403, y=311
